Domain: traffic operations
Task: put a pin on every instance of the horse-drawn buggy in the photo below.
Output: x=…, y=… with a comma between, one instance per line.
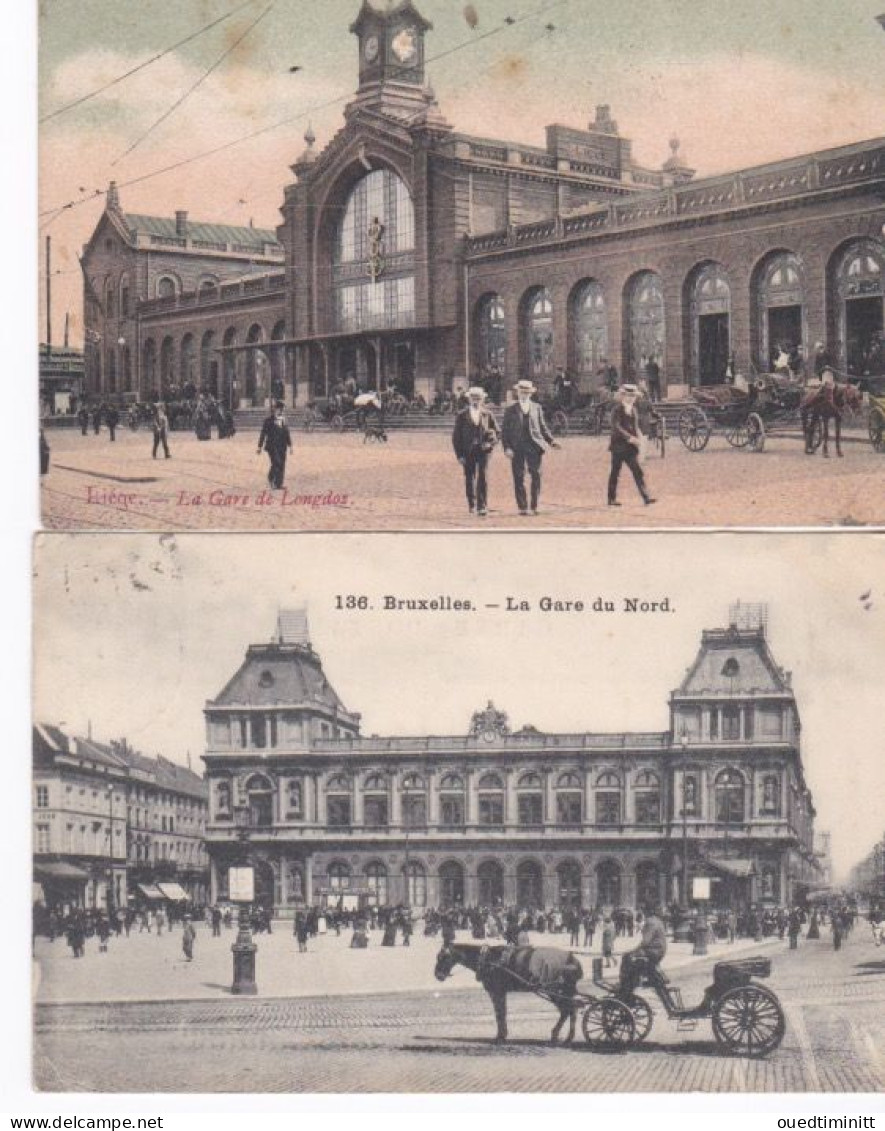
x=363, y=413
x=743, y=413
x=747, y=1018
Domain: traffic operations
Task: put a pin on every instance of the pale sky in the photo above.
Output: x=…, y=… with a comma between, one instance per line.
x=739, y=84
x=136, y=632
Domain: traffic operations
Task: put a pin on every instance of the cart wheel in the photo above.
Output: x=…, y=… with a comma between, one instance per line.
x=608, y=1025
x=877, y=430
x=748, y=1021
x=559, y=423
x=738, y=435
x=337, y=423
x=755, y=432
x=642, y=1016
x=694, y=429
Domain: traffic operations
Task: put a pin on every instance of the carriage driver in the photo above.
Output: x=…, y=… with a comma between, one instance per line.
x=644, y=960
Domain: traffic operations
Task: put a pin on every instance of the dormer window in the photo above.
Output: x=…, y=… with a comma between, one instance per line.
x=731, y=669
x=266, y=679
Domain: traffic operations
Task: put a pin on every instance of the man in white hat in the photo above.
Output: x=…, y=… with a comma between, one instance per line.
x=473, y=438
x=624, y=444
x=526, y=437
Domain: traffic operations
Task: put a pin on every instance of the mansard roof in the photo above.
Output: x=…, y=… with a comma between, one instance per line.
x=164, y=227
x=280, y=675
x=735, y=661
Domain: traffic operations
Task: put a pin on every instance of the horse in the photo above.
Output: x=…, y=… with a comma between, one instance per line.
x=825, y=403
x=504, y=970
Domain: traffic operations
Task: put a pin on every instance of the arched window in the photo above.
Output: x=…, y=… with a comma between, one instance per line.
x=222, y=799
x=860, y=303
x=780, y=307
x=149, y=364
x=414, y=801
x=375, y=802
x=188, y=360
x=608, y=884
x=167, y=362
x=530, y=800
x=491, y=333
x=771, y=795
x=569, y=799
x=124, y=296
x=451, y=884
x=451, y=801
x=490, y=876
x=608, y=799
x=110, y=305
x=295, y=798
x=208, y=364
x=529, y=884
x=729, y=794
x=416, y=884
x=259, y=793
x=339, y=875
x=376, y=883
x=166, y=287
x=256, y=367
x=589, y=328
x=373, y=273
x=491, y=800
x=207, y=288
x=568, y=875
x=648, y=799
x=645, y=325
x=710, y=312
x=338, y=799
x=538, y=333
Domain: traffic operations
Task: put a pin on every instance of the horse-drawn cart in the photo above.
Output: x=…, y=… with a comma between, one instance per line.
x=744, y=416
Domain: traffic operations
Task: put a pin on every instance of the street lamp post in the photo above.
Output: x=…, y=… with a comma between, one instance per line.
x=681, y=930
x=243, y=948
x=110, y=899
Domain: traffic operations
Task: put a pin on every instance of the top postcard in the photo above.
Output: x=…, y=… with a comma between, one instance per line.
x=457, y=266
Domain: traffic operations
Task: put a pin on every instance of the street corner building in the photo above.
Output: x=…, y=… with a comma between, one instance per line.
x=113, y=828
x=415, y=256
x=326, y=815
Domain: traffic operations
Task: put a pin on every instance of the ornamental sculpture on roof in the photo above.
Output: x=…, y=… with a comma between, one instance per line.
x=491, y=721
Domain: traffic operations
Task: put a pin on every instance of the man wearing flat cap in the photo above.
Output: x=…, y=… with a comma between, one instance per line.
x=625, y=443
x=526, y=437
x=473, y=438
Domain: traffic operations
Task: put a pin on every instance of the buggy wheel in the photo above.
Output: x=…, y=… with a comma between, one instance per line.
x=877, y=430
x=337, y=423
x=815, y=435
x=608, y=1025
x=738, y=435
x=694, y=429
x=755, y=432
x=642, y=1016
x=559, y=423
x=748, y=1020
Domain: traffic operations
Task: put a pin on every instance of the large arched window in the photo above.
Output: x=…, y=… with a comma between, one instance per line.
x=608, y=799
x=589, y=328
x=188, y=360
x=208, y=364
x=491, y=334
x=414, y=801
x=416, y=884
x=569, y=799
x=338, y=798
x=491, y=800
x=860, y=307
x=568, y=876
x=339, y=876
x=259, y=794
x=780, y=307
x=608, y=884
x=451, y=801
x=538, y=333
x=167, y=362
x=167, y=287
x=710, y=313
x=490, y=876
x=375, y=802
x=645, y=326
x=374, y=255
x=451, y=884
x=376, y=883
x=530, y=800
x=648, y=798
x=529, y=884
x=730, y=802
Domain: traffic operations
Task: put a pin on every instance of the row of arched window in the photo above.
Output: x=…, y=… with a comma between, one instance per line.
x=778, y=290
x=731, y=799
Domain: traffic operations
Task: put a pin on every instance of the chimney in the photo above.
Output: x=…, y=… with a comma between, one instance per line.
x=181, y=223
x=112, y=200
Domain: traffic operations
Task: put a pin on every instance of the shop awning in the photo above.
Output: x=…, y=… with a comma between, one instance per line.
x=737, y=867
x=61, y=871
x=174, y=892
x=150, y=891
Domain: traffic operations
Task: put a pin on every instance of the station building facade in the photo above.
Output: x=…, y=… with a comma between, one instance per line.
x=413, y=254
x=496, y=816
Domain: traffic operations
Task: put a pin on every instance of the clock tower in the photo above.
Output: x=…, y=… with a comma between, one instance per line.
x=391, y=43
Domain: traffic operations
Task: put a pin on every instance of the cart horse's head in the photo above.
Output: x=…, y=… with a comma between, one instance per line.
x=446, y=961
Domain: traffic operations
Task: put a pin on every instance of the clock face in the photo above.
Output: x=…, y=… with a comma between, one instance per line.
x=405, y=45
x=370, y=49
x=489, y=735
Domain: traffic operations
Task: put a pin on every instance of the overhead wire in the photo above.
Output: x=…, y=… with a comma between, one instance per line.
x=147, y=62
x=338, y=100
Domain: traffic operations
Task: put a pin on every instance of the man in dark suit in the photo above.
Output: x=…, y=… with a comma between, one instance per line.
x=526, y=437
x=276, y=441
x=625, y=443
x=473, y=438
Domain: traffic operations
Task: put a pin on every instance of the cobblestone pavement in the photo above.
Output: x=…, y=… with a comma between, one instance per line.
x=336, y=482
x=442, y=1041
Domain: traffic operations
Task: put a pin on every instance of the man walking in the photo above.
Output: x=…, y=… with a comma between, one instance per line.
x=277, y=442
x=161, y=430
x=112, y=419
x=526, y=438
x=473, y=438
x=624, y=444
x=83, y=418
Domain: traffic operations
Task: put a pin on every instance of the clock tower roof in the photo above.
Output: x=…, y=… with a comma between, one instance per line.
x=405, y=9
